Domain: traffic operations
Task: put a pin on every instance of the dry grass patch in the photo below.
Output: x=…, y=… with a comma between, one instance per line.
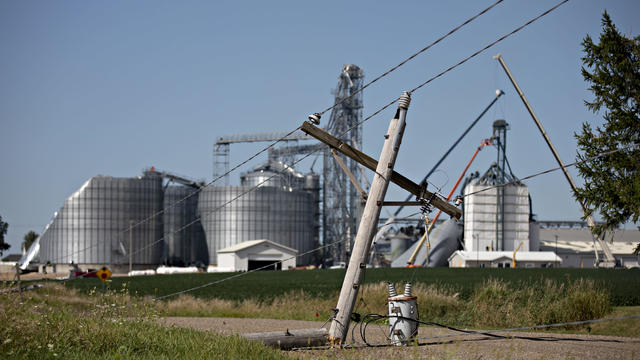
x=493, y=304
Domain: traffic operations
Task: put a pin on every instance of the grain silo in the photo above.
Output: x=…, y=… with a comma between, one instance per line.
x=184, y=240
x=496, y=205
x=279, y=209
x=94, y=227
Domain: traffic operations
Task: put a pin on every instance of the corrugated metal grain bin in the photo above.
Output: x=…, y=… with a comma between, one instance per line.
x=283, y=214
x=92, y=226
x=184, y=239
x=482, y=221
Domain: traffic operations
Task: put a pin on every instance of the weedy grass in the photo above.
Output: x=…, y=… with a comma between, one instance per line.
x=61, y=322
x=294, y=305
x=492, y=304
x=496, y=304
x=55, y=322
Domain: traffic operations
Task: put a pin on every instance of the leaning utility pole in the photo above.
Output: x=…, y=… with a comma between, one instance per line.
x=610, y=260
x=357, y=263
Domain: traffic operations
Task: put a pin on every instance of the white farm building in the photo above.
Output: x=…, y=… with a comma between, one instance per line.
x=256, y=254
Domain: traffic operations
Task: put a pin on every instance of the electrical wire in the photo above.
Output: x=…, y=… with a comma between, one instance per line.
x=342, y=101
x=160, y=212
x=478, y=52
x=413, y=56
x=370, y=318
x=242, y=163
x=355, y=125
x=534, y=327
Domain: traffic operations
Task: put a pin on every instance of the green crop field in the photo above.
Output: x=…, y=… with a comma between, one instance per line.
x=622, y=285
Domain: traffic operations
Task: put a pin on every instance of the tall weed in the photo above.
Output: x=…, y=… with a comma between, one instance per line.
x=494, y=303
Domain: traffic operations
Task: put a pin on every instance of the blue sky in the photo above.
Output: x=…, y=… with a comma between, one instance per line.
x=113, y=87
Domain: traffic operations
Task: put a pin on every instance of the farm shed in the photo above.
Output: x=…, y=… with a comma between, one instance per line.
x=528, y=259
x=255, y=254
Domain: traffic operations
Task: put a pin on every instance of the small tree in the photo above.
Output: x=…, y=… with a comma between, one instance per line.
x=3, y=231
x=29, y=238
x=612, y=181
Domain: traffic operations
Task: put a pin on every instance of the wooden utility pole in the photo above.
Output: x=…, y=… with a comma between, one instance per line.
x=288, y=339
x=357, y=264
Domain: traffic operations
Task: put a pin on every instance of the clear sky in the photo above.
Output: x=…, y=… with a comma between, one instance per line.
x=110, y=88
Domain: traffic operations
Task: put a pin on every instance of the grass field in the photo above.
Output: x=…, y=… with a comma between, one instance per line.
x=621, y=285
x=74, y=320
x=58, y=323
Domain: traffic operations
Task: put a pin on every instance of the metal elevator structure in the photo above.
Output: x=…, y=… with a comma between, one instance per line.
x=341, y=201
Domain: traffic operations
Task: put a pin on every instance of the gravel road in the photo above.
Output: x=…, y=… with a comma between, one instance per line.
x=511, y=346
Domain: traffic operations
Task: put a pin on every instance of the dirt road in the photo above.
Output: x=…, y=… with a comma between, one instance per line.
x=511, y=346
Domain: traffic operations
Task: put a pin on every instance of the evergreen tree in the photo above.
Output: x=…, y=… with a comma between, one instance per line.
x=612, y=181
x=29, y=238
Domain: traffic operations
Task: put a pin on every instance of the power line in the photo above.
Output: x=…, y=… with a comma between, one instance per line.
x=214, y=180
x=149, y=218
x=323, y=112
x=357, y=124
x=329, y=108
x=488, y=46
x=413, y=55
x=492, y=44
